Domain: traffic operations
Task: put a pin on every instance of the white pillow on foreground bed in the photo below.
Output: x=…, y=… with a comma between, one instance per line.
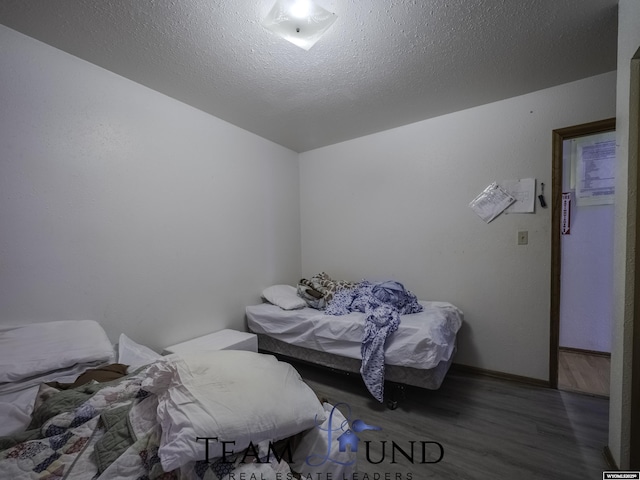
x=284, y=296
x=30, y=350
x=237, y=396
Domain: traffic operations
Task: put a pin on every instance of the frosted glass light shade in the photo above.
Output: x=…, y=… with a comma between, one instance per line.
x=301, y=22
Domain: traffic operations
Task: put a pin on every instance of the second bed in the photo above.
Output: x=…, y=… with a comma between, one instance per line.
x=419, y=353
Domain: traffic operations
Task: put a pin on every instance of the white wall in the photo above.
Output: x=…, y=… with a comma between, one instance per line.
x=122, y=205
x=625, y=230
x=395, y=205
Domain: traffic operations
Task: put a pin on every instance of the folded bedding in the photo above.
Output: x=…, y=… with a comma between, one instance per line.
x=318, y=290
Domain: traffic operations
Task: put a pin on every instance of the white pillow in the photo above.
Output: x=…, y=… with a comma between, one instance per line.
x=236, y=396
x=37, y=348
x=284, y=296
x=133, y=354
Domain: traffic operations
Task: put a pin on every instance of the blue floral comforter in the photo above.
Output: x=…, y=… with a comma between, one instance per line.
x=383, y=303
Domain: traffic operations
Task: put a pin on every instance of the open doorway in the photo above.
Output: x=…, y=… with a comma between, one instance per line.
x=585, y=355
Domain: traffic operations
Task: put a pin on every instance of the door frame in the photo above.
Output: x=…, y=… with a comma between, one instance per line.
x=559, y=136
x=634, y=156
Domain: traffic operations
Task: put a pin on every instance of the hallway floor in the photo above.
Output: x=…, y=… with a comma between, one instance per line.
x=583, y=372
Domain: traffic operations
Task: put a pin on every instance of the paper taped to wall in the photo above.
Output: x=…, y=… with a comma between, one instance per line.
x=491, y=202
x=524, y=191
x=595, y=160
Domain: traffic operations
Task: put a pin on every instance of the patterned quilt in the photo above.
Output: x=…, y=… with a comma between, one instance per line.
x=319, y=290
x=104, y=431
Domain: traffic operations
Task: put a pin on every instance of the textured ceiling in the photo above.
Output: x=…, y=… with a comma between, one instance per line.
x=382, y=64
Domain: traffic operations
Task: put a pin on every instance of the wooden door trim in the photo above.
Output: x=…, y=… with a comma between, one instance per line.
x=558, y=137
x=634, y=156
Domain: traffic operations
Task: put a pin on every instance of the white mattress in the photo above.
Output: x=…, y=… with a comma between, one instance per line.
x=422, y=341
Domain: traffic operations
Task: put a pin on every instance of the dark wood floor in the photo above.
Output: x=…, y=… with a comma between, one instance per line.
x=488, y=428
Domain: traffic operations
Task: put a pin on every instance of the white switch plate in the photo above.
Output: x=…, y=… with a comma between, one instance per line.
x=523, y=237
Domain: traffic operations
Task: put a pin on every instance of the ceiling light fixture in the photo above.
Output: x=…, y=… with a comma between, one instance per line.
x=301, y=22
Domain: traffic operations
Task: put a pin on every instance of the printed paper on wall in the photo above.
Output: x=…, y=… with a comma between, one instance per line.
x=491, y=202
x=595, y=157
x=524, y=191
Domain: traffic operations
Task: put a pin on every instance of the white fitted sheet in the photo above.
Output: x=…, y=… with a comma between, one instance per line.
x=422, y=341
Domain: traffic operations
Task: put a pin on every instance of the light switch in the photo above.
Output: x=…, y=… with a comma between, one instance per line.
x=523, y=237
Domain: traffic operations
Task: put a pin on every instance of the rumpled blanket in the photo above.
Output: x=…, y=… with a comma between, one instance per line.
x=108, y=431
x=383, y=303
x=319, y=290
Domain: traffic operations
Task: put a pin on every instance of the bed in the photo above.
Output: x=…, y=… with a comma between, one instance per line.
x=419, y=353
x=69, y=408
